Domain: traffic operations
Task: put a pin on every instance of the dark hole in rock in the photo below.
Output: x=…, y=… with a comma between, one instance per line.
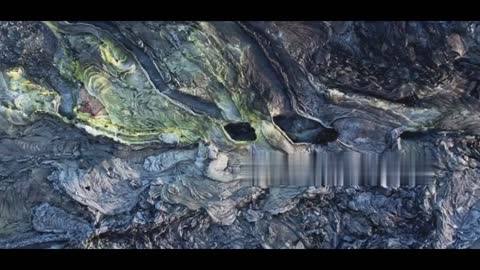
x=87, y=188
x=326, y=135
x=412, y=135
x=301, y=129
x=475, y=94
x=241, y=131
x=409, y=101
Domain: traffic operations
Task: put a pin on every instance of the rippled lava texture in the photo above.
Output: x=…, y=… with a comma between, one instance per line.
x=131, y=134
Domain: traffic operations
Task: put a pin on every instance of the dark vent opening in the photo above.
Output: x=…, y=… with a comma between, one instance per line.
x=412, y=135
x=326, y=135
x=303, y=130
x=241, y=131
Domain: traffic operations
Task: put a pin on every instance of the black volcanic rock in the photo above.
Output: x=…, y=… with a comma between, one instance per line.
x=137, y=134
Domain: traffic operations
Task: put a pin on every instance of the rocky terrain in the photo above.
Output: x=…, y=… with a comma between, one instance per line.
x=136, y=134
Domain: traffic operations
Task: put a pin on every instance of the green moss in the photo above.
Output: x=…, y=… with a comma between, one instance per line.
x=135, y=111
x=26, y=97
x=138, y=112
x=114, y=55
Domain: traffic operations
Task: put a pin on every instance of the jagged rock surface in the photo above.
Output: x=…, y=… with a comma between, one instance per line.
x=131, y=134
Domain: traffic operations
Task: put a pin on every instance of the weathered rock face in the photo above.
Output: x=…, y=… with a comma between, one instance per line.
x=137, y=134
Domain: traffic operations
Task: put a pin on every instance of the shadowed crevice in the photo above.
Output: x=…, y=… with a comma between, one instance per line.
x=241, y=131
x=303, y=130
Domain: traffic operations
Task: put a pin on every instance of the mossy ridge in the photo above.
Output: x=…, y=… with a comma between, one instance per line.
x=136, y=110
x=197, y=58
x=26, y=97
